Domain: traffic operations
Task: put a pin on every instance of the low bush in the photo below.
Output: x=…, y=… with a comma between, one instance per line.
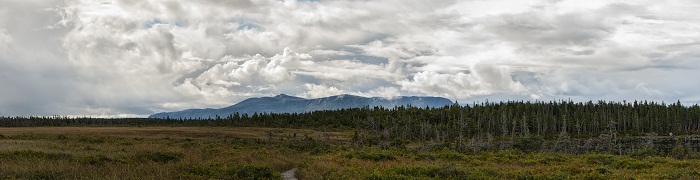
x=679, y=152
x=33, y=154
x=648, y=152
x=442, y=155
x=547, y=158
x=160, y=157
x=486, y=173
x=219, y=172
x=256, y=172
x=602, y=159
x=95, y=160
x=375, y=156
x=527, y=144
x=308, y=145
x=62, y=137
x=417, y=172
x=34, y=174
x=451, y=155
x=629, y=163
x=92, y=140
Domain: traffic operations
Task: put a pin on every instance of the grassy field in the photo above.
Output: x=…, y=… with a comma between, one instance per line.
x=249, y=153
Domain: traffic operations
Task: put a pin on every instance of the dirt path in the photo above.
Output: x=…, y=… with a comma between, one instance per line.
x=289, y=175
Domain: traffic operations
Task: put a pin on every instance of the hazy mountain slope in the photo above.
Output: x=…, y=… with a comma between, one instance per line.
x=289, y=104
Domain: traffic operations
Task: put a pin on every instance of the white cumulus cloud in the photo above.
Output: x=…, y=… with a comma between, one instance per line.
x=125, y=57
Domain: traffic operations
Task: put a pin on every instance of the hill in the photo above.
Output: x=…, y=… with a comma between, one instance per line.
x=289, y=104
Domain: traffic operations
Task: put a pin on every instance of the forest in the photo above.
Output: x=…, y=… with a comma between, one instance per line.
x=489, y=140
x=562, y=126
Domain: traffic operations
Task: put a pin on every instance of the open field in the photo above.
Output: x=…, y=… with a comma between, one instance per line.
x=247, y=153
x=173, y=132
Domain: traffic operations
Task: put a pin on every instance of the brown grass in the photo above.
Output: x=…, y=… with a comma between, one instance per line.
x=127, y=152
x=227, y=153
x=159, y=132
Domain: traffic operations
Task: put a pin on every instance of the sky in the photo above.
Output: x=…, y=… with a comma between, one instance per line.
x=132, y=58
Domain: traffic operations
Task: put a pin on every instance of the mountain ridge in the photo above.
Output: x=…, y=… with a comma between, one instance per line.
x=284, y=103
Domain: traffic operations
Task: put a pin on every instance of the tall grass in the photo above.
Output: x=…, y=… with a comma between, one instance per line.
x=219, y=153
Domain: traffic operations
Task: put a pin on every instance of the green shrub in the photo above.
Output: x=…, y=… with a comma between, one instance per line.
x=602, y=170
x=523, y=174
x=198, y=171
x=679, y=152
x=547, y=159
x=36, y=174
x=629, y=163
x=508, y=156
x=309, y=145
x=594, y=175
x=375, y=156
x=95, y=160
x=219, y=172
x=443, y=155
x=486, y=173
x=451, y=155
x=528, y=144
x=89, y=148
x=125, y=143
x=92, y=140
x=602, y=159
x=426, y=156
x=161, y=157
x=399, y=143
x=62, y=137
x=33, y=154
x=419, y=172
x=256, y=172
x=648, y=152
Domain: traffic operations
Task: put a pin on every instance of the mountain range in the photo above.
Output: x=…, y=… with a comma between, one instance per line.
x=289, y=104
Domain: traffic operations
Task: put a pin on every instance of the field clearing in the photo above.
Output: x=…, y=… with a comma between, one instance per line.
x=264, y=153
x=152, y=152
x=160, y=132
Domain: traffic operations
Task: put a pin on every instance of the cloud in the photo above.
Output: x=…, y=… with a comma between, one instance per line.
x=125, y=57
x=5, y=39
x=318, y=91
x=482, y=80
x=321, y=90
x=252, y=75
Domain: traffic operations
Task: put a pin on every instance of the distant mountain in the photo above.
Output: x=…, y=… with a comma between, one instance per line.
x=289, y=104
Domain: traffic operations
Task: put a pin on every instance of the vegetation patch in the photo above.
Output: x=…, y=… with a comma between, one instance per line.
x=547, y=158
x=31, y=154
x=441, y=155
x=160, y=157
x=419, y=172
x=486, y=173
x=92, y=140
x=222, y=155
x=95, y=160
x=33, y=174
x=647, y=152
x=629, y=163
x=236, y=172
x=308, y=145
x=374, y=156
x=602, y=159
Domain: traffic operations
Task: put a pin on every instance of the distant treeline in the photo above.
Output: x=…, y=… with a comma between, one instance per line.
x=612, y=127
x=497, y=119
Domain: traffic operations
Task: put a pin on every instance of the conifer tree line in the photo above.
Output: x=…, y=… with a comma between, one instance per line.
x=544, y=119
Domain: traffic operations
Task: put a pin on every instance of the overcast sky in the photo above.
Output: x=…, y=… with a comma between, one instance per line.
x=138, y=57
